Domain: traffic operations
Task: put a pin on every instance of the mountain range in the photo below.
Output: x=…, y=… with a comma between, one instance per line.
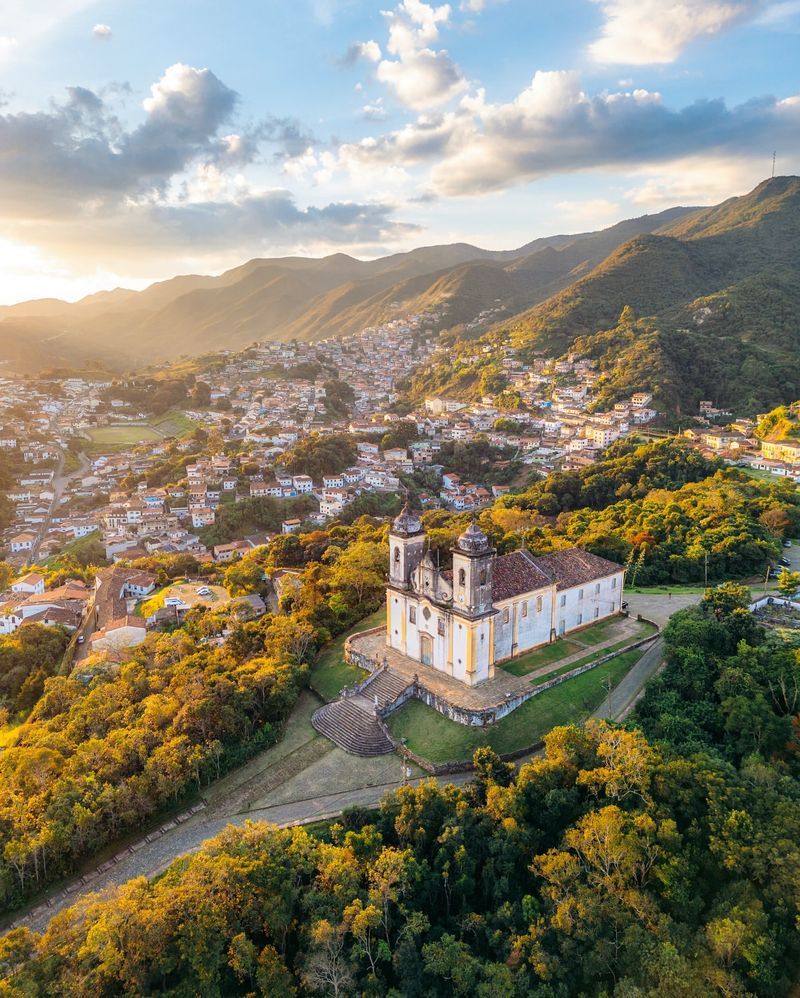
x=706, y=306
x=691, y=303
x=293, y=297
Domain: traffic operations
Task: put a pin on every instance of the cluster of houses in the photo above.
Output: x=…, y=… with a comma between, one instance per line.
x=737, y=443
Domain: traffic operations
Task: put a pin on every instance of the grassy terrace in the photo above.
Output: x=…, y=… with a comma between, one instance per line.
x=587, y=639
x=330, y=672
x=438, y=739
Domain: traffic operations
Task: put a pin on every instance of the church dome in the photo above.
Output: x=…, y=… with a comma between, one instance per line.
x=473, y=540
x=407, y=522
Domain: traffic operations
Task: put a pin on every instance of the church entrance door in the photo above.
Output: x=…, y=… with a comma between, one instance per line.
x=426, y=649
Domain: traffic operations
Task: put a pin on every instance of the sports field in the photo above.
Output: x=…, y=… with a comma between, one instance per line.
x=119, y=436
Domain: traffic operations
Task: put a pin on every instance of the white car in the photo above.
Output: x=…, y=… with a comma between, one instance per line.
x=203, y=591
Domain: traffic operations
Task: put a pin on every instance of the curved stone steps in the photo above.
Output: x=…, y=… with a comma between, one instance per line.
x=351, y=724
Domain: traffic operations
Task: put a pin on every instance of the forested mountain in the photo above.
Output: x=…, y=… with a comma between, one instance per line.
x=707, y=306
x=292, y=297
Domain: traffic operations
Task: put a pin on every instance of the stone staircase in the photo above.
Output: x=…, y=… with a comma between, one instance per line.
x=387, y=686
x=350, y=722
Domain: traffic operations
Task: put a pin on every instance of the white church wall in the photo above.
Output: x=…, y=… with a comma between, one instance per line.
x=522, y=623
x=582, y=605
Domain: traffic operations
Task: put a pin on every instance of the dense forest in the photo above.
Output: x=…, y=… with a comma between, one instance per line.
x=654, y=860
x=93, y=754
x=707, y=307
x=662, y=509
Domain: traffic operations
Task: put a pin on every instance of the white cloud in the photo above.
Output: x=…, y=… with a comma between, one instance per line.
x=639, y=32
x=554, y=126
x=420, y=76
x=375, y=111
x=592, y=213
x=370, y=50
x=693, y=181
x=101, y=31
x=7, y=44
x=778, y=13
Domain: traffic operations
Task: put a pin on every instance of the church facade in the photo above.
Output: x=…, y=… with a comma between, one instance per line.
x=488, y=608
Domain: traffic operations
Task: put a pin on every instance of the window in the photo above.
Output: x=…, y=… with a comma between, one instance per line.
x=482, y=577
x=596, y=612
x=396, y=555
x=524, y=608
x=597, y=587
x=505, y=615
x=580, y=594
x=580, y=619
x=412, y=614
x=462, y=577
x=614, y=582
x=440, y=627
x=563, y=599
x=539, y=604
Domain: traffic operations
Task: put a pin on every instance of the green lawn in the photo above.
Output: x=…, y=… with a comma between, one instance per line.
x=434, y=737
x=540, y=657
x=118, y=437
x=173, y=424
x=121, y=436
x=330, y=672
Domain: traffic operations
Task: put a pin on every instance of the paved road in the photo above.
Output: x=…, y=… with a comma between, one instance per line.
x=59, y=483
x=622, y=698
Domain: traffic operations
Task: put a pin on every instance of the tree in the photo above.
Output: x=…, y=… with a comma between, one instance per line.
x=326, y=968
x=788, y=583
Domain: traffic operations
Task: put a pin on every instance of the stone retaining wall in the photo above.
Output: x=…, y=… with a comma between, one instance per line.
x=355, y=657
x=481, y=717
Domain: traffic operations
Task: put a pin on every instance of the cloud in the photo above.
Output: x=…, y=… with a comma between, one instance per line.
x=778, y=13
x=374, y=111
x=7, y=44
x=639, y=32
x=101, y=31
x=420, y=76
x=554, y=126
x=593, y=212
x=76, y=182
x=371, y=51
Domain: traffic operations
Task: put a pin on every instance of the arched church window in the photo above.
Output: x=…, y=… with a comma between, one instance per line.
x=397, y=554
x=483, y=577
x=462, y=577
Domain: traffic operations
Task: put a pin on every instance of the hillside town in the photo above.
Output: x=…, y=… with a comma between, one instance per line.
x=241, y=432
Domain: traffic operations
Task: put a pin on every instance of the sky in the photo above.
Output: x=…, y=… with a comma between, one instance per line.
x=143, y=139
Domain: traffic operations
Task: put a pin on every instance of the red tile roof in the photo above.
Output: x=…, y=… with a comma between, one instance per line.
x=575, y=567
x=514, y=574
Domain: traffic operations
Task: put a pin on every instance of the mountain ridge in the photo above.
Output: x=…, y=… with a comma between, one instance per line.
x=297, y=297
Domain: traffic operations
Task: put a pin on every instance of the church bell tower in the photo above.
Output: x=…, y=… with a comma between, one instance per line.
x=406, y=545
x=473, y=556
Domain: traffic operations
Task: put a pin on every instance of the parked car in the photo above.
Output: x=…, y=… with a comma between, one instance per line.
x=785, y=562
x=787, y=544
x=81, y=639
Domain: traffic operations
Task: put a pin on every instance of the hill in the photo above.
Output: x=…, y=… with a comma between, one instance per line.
x=294, y=297
x=706, y=306
x=715, y=301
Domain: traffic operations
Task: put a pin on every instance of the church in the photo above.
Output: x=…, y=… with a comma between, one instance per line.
x=488, y=608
